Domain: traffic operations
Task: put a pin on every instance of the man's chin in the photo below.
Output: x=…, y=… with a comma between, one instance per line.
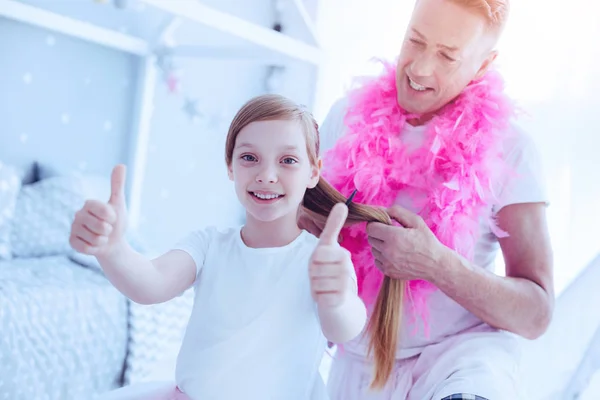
x=411, y=107
x=419, y=108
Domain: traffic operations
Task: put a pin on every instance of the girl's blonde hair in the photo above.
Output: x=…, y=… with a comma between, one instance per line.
x=384, y=322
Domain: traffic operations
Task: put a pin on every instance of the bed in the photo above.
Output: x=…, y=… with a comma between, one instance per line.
x=64, y=330
x=67, y=333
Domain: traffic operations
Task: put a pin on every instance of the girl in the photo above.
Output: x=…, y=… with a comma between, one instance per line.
x=267, y=295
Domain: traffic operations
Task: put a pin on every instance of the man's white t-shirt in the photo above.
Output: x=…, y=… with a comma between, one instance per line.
x=254, y=330
x=446, y=317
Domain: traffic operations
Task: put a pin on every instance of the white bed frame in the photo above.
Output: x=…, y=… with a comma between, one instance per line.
x=276, y=48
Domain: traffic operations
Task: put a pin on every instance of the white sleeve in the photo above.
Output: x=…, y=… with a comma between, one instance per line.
x=196, y=245
x=527, y=182
x=333, y=126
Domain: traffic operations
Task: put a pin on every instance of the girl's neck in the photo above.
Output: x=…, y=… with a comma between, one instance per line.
x=278, y=233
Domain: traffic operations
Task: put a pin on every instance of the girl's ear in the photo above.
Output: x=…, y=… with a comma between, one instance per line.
x=315, y=174
x=230, y=172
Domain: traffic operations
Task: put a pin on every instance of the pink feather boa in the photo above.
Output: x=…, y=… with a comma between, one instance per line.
x=460, y=159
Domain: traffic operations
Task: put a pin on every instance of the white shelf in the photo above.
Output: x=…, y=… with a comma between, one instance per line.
x=272, y=46
x=259, y=56
x=264, y=37
x=69, y=26
x=307, y=20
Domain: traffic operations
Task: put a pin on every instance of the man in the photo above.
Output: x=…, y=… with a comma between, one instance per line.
x=462, y=182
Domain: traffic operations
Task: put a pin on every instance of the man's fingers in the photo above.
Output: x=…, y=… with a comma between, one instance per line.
x=406, y=218
x=377, y=230
x=377, y=255
x=375, y=243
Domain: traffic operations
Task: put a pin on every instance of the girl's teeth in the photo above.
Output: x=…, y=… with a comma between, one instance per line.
x=266, y=196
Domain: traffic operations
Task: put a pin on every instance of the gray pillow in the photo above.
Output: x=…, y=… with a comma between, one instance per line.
x=10, y=184
x=45, y=210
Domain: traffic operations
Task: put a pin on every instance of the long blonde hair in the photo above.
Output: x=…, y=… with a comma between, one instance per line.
x=384, y=322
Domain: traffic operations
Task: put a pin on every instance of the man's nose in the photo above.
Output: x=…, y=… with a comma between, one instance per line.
x=423, y=66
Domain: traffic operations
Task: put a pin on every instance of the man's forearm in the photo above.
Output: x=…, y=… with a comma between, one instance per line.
x=514, y=304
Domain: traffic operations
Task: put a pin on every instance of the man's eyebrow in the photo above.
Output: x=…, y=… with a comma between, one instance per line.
x=418, y=33
x=447, y=47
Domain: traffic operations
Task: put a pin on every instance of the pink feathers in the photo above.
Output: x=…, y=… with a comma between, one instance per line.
x=460, y=158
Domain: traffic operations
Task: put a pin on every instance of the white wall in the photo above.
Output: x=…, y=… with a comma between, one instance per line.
x=551, y=72
x=64, y=102
x=352, y=32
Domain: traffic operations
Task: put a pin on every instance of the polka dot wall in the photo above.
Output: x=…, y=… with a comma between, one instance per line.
x=65, y=103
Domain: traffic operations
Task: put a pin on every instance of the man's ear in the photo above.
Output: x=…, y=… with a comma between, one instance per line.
x=487, y=63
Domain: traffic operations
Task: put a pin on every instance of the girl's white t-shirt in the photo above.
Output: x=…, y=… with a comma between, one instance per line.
x=254, y=330
x=446, y=317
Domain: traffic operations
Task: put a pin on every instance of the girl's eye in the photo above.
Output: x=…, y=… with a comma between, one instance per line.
x=289, y=160
x=248, y=157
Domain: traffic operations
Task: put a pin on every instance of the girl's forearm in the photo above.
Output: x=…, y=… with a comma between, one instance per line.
x=344, y=322
x=131, y=273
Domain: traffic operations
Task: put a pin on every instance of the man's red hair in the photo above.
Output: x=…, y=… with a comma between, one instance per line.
x=495, y=12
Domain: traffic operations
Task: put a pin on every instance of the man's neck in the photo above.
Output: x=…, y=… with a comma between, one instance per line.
x=422, y=120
